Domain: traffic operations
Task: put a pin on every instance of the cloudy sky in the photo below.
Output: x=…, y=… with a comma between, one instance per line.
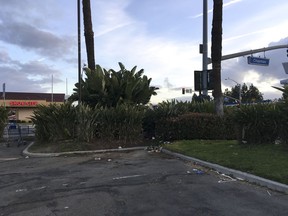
x=38, y=39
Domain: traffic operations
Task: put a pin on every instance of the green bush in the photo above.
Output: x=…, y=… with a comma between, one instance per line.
x=3, y=119
x=282, y=123
x=259, y=123
x=202, y=107
x=57, y=123
x=121, y=123
x=155, y=116
x=195, y=126
x=87, y=121
x=54, y=122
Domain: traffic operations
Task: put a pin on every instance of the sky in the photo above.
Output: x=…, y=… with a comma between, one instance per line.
x=38, y=42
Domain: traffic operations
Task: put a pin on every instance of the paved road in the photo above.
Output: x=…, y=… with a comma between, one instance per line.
x=133, y=183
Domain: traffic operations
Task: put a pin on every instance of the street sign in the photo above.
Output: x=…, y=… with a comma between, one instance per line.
x=198, y=84
x=258, y=61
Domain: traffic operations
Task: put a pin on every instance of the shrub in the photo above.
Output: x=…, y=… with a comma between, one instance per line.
x=121, y=123
x=3, y=119
x=258, y=123
x=283, y=121
x=195, y=126
x=54, y=122
x=202, y=107
x=87, y=121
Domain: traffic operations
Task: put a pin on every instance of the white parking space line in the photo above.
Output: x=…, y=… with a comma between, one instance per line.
x=8, y=159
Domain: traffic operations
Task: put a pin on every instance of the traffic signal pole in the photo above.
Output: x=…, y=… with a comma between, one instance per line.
x=204, y=48
x=249, y=52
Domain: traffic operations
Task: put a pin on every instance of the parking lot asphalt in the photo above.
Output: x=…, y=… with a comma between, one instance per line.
x=126, y=183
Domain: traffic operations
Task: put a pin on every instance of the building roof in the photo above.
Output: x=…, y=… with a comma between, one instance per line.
x=33, y=96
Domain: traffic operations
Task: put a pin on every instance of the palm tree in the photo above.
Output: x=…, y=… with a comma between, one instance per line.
x=89, y=34
x=283, y=89
x=216, y=54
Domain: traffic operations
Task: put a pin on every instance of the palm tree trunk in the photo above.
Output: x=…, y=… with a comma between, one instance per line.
x=89, y=34
x=216, y=54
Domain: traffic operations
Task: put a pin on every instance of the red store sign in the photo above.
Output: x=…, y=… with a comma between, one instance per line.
x=23, y=103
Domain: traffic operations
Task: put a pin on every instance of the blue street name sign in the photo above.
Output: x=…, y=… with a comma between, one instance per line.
x=258, y=61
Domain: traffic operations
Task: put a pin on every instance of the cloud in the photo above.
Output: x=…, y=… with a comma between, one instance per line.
x=4, y=57
x=33, y=76
x=211, y=10
x=33, y=39
x=108, y=29
x=261, y=76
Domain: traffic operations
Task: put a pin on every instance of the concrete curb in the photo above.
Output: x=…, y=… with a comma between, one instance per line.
x=237, y=174
x=31, y=154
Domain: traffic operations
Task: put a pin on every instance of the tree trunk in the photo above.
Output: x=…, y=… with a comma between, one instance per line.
x=89, y=34
x=216, y=54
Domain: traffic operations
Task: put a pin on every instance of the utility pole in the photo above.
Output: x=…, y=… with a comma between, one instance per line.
x=204, y=48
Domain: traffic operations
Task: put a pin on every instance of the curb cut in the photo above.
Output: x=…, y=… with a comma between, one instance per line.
x=30, y=154
x=237, y=174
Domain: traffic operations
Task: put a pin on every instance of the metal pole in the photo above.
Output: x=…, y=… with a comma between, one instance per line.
x=240, y=97
x=249, y=52
x=79, y=52
x=240, y=94
x=205, y=52
x=4, y=94
x=52, y=90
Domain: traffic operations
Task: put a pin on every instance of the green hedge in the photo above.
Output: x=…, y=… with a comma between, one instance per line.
x=122, y=123
x=169, y=109
x=195, y=126
x=63, y=122
x=54, y=122
x=262, y=123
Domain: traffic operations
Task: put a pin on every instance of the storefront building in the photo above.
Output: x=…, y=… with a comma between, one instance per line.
x=21, y=104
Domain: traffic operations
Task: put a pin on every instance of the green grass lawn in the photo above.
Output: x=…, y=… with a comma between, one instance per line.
x=267, y=161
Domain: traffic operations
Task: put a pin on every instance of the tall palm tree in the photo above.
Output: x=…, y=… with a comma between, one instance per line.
x=216, y=54
x=89, y=34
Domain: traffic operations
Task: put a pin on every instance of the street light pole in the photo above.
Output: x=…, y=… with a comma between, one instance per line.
x=240, y=98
